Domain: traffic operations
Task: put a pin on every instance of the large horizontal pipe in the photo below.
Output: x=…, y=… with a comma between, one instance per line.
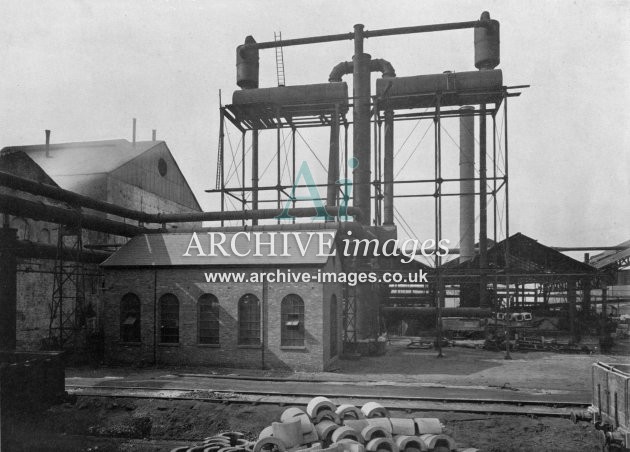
x=416, y=311
x=369, y=34
x=298, y=212
x=32, y=250
x=59, y=194
x=21, y=207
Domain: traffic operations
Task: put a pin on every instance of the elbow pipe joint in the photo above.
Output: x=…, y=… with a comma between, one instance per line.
x=376, y=65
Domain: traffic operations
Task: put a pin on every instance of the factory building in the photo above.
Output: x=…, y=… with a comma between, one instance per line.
x=161, y=304
x=141, y=175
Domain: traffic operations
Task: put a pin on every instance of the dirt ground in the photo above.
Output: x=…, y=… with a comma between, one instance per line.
x=459, y=367
x=149, y=425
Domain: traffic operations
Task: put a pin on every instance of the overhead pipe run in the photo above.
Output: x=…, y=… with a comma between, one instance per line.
x=14, y=205
x=18, y=206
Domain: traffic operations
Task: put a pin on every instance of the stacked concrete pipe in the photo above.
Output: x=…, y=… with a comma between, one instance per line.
x=325, y=427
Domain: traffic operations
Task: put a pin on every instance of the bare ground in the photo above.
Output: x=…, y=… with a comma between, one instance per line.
x=110, y=424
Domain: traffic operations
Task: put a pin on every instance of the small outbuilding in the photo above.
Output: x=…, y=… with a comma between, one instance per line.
x=168, y=300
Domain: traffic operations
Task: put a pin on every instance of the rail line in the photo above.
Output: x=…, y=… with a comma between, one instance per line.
x=548, y=408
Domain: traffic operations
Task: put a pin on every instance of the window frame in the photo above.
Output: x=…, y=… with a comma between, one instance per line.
x=292, y=322
x=214, y=327
x=249, y=329
x=169, y=335
x=125, y=311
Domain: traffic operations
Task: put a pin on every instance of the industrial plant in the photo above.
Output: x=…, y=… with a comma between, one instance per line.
x=109, y=260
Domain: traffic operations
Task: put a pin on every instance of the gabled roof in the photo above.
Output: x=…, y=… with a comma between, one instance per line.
x=527, y=255
x=90, y=157
x=168, y=249
x=611, y=257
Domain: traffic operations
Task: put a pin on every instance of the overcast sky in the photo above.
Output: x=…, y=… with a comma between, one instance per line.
x=85, y=68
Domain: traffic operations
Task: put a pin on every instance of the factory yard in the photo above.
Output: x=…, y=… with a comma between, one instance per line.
x=150, y=424
x=461, y=369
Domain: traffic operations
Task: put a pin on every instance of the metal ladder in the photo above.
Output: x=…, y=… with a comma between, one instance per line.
x=277, y=37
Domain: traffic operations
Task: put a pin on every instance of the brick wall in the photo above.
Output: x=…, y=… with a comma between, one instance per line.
x=188, y=284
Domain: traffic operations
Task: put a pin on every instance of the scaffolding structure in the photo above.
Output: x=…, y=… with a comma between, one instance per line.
x=68, y=320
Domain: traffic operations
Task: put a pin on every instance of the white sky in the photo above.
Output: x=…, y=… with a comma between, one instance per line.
x=85, y=68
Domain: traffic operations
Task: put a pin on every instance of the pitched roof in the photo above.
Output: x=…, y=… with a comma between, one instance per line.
x=168, y=249
x=90, y=157
x=526, y=256
x=611, y=257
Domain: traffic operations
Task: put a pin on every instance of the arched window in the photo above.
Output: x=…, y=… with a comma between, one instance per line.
x=22, y=228
x=334, y=326
x=292, y=318
x=43, y=236
x=130, y=318
x=169, y=319
x=249, y=320
x=208, y=319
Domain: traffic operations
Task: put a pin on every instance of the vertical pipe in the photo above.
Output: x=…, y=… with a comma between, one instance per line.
x=361, y=127
x=278, y=169
x=155, y=319
x=377, y=177
x=483, y=211
x=8, y=288
x=495, y=207
x=507, y=223
x=153, y=135
x=333, y=160
x=222, y=159
x=263, y=317
x=438, y=227
x=572, y=300
x=254, y=173
x=466, y=184
x=47, y=132
x=293, y=129
x=243, y=201
x=133, y=133
x=388, y=168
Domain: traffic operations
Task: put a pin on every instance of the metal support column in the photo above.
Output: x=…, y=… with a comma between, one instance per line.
x=438, y=224
x=483, y=211
x=254, y=173
x=333, y=160
x=388, y=167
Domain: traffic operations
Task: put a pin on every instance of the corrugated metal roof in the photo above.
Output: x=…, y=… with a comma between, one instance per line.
x=611, y=257
x=90, y=157
x=168, y=249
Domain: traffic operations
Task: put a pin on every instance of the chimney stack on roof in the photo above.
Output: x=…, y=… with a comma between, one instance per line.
x=133, y=134
x=47, y=142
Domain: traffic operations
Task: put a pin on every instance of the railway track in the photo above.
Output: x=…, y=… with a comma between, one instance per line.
x=505, y=406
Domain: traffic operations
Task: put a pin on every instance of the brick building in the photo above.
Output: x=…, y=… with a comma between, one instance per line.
x=159, y=307
x=141, y=176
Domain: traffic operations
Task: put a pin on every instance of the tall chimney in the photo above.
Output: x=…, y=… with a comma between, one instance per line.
x=466, y=187
x=47, y=142
x=133, y=134
x=153, y=135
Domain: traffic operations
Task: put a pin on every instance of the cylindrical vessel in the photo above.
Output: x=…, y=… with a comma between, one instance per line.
x=456, y=88
x=487, y=44
x=247, y=64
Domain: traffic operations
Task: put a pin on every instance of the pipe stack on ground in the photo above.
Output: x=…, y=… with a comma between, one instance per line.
x=326, y=427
